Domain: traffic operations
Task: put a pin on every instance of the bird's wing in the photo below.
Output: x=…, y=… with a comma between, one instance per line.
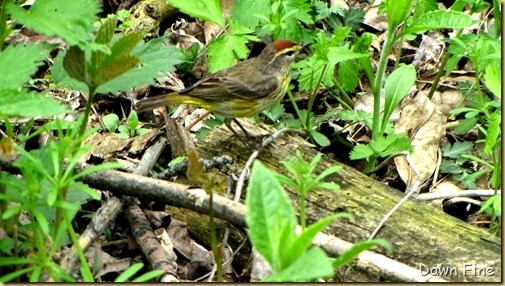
x=238, y=82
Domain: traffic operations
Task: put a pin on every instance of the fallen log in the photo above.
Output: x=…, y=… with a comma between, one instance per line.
x=422, y=236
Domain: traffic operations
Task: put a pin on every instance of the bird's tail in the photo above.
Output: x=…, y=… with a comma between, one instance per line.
x=154, y=102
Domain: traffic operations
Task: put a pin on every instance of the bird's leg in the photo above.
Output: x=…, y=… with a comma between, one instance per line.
x=227, y=122
x=197, y=120
x=243, y=129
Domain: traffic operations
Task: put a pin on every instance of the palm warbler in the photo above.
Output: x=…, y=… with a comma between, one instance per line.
x=243, y=90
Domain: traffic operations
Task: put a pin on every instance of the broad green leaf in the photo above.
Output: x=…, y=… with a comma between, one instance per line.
x=69, y=20
x=156, y=59
x=492, y=78
x=244, y=11
x=493, y=132
x=209, y=10
x=18, y=63
x=349, y=255
x=312, y=265
x=360, y=152
x=397, y=11
x=270, y=215
x=106, y=31
x=111, y=122
x=397, y=86
x=340, y=54
x=28, y=104
x=222, y=51
x=320, y=138
x=348, y=75
x=439, y=19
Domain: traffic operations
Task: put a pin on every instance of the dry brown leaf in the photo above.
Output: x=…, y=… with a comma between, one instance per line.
x=425, y=124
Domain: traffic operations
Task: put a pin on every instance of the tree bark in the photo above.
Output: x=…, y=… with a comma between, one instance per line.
x=422, y=236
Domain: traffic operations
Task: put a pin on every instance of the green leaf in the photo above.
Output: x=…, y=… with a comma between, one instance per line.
x=209, y=10
x=440, y=19
x=353, y=252
x=320, y=138
x=492, y=78
x=222, y=51
x=348, y=75
x=18, y=63
x=424, y=6
x=155, y=58
x=111, y=122
x=128, y=273
x=299, y=271
x=397, y=11
x=69, y=20
x=304, y=240
x=133, y=120
x=465, y=125
x=28, y=104
x=457, y=149
x=493, y=131
x=397, y=86
x=147, y=277
x=74, y=63
x=270, y=216
x=106, y=31
x=360, y=152
x=244, y=11
x=341, y=54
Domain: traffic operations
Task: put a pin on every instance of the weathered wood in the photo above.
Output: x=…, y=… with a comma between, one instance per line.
x=422, y=236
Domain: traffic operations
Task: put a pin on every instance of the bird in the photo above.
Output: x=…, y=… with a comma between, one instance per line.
x=242, y=90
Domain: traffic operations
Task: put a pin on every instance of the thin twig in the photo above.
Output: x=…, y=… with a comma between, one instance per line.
x=414, y=188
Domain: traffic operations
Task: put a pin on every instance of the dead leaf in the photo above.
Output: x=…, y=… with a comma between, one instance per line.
x=425, y=124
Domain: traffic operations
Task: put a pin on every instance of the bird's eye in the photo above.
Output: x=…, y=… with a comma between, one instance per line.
x=289, y=53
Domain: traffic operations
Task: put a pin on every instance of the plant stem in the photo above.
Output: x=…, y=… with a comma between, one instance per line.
x=213, y=239
x=377, y=86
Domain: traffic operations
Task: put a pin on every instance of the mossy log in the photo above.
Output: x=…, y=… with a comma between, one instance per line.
x=422, y=236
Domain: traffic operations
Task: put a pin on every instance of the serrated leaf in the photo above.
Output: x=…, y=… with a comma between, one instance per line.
x=398, y=84
x=69, y=20
x=74, y=63
x=424, y=6
x=348, y=75
x=439, y=19
x=465, y=125
x=353, y=18
x=493, y=131
x=114, y=69
x=492, y=78
x=106, y=31
x=28, y=104
x=360, y=152
x=340, y=54
x=209, y=10
x=244, y=11
x=397, y=143
x=457, y=149
x=155, y=59
x=222, y=51
x=18, y=63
